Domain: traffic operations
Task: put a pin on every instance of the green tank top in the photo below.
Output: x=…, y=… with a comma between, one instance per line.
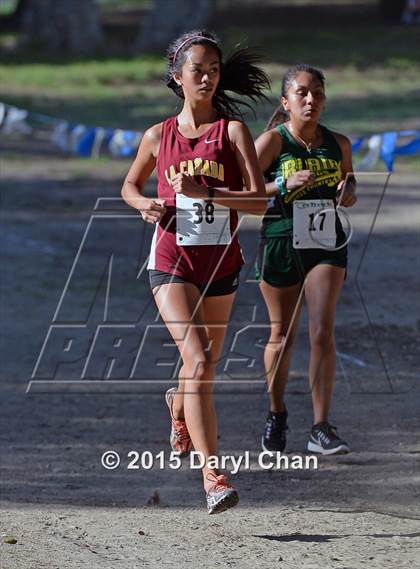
x=325, y=163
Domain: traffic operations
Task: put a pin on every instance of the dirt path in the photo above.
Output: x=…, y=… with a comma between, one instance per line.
x=66, y=511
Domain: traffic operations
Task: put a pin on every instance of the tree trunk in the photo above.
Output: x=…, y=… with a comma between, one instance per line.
x=66, y=26
x=170, y=18
x=19, y=11
x=392, y=10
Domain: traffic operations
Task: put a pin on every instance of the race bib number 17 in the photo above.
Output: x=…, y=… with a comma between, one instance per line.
x=314, y=224
x=201, y=222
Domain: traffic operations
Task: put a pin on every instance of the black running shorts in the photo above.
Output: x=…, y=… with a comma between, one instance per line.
x=221, y=287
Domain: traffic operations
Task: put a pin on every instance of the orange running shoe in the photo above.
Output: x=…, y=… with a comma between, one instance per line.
x=220, y=494
x=180, y=437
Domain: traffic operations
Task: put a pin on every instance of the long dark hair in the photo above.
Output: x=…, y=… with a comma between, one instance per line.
x=280, y=115
x=238, y=73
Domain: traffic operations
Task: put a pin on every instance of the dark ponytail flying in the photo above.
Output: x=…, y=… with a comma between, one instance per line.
x=238, y=73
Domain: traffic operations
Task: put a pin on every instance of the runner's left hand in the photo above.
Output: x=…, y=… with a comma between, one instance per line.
x=346, y=193
x=186, y=185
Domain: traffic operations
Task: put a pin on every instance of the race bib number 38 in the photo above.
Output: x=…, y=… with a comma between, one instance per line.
x=314, y=224
x=201, y=222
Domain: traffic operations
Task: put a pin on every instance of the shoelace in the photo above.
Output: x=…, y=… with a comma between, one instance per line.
x=331, y=433
x=181, y=430
x=217, y=482
x=179, y=426
x=273, y=424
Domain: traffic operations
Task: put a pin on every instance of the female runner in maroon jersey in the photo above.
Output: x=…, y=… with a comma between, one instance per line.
x=204, y=158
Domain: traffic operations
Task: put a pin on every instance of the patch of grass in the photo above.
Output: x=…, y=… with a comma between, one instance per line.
x=89, y=78
x=372, y=76
x=120, y=5
x=137, y=111
x=7, y=7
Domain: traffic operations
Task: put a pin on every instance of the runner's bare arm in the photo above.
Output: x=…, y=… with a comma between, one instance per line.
x=138, y=174
x=347, y=186
x=268, y=146
x=254, y=198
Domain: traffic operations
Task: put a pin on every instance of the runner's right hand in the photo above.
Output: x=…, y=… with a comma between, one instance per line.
x=152, y=210
x=301, y=178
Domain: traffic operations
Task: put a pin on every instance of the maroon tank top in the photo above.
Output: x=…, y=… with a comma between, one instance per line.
x=212, y=162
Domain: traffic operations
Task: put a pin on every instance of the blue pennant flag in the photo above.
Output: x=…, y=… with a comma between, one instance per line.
x=389, y=144
x=91, y=141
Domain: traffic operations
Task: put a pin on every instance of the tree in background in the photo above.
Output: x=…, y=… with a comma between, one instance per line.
x=66, y=26
x=392, y=10
x=16, y=17
x=169, y=19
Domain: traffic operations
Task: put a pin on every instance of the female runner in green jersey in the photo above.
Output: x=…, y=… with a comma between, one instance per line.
x=308, y=171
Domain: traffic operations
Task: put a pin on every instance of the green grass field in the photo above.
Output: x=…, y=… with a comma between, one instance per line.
x=372, y=75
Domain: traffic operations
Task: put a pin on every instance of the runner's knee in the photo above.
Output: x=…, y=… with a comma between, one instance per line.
x=280, y=339
x=198, y=367
x=322, y=335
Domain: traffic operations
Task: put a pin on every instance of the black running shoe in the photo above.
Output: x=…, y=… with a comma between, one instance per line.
x=325, y=440
x=274, y=437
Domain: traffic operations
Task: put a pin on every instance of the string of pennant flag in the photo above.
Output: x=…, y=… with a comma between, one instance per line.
x=93, y=141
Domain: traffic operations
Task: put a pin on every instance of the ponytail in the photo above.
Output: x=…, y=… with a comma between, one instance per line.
x=238, y=74
x=278, y=117
x=241, y=76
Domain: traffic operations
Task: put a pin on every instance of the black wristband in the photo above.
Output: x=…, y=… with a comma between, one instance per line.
x=210, y=191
